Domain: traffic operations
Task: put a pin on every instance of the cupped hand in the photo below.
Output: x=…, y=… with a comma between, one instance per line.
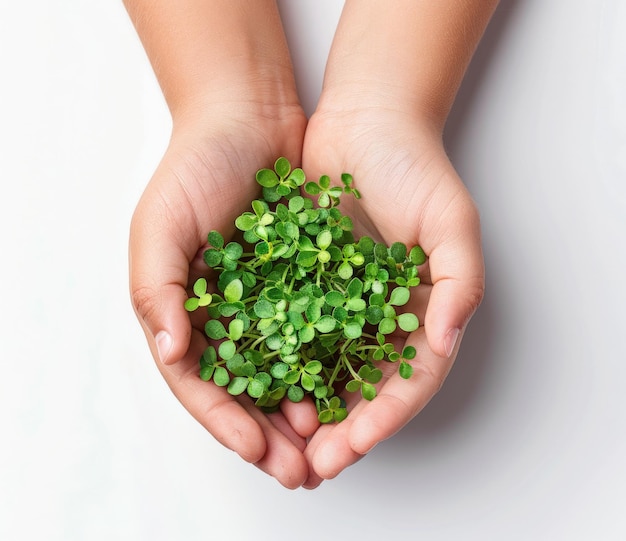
x=412, y=194
x=205, y=179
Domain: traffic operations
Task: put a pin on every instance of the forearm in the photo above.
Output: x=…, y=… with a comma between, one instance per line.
x=408, y=52
x=215, y=51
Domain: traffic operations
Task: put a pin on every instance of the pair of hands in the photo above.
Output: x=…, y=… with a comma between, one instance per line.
x=410, y=193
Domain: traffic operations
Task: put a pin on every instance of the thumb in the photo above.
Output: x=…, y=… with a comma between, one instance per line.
x=159, y=269
x=456, y=269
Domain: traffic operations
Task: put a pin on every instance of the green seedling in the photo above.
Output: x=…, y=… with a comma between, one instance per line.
x=302, y=308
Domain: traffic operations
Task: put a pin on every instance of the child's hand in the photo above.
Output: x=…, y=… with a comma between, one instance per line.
x=410, y=193
x=204, y=181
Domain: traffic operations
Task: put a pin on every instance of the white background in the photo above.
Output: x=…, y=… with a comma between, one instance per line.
x=527, y=439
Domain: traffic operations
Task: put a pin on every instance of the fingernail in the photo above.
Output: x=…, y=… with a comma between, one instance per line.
x=164, y=345
x=371, y=448
x=450, y=341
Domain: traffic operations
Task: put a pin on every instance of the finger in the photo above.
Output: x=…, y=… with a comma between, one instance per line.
x=400, y=399
x=283, y=458
x=159, y=268
x=270, y=444
x=301, y=416
x=329, y=452
x=218, y=412
x=456, y=270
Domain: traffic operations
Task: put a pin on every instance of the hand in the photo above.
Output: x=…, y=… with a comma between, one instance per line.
x=204, y=181
x=411, y=194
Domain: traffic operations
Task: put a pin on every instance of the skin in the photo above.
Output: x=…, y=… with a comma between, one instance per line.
x=390, y=82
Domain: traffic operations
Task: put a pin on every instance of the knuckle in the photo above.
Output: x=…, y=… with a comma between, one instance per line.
x=145, y=300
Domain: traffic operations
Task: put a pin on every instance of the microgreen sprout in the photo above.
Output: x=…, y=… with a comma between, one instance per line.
x=302, y=308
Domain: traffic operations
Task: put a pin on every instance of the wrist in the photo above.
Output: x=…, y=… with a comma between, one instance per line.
x=215, y=51
x=411, y=57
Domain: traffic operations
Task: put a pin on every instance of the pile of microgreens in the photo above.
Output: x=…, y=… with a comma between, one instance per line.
x=303, y=308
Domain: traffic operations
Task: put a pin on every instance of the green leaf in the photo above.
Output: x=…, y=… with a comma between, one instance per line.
x=199, y=288
x=264, y=309
x=264, y=378
x=379, y=354
x=246, y=221
x=216, y=239
x=215, y=330
x=206, y=372
x=227, y=349
x=209, y=357
x=313, y=367
x=205, y=300
x=234, y=365
x=355, y=288
x=356, y=305
x=254, y=356
x=345, y=271
x=405, y=370
x=307, y=382
x=325, y=324
x=292, y=377
x=266, y=178
x=352, y=330
x=296, y=203
x=340, y=414
x=248, y=279
x=279, y=369
x=228, y=309
x=274, y=342
x=334, y=298
x=364, y=371
x=380, y=253
x=353, y=386
x=192, y=304
x=313, y=312
x=375, y=375
x=324, y=239
x=409, y=352
x=321, y=390
x=237, y=386
x=340, y=314
x=306, y=259
x=336, y=402
x=368, y=391
x=306, y=334
x=282, y=167
x=233, y=250
x=233, y=291
x=324, y=182
x=212, y=257
x=256, y=388
x=323, y=200
x=326, y=416
x=235, y=329
x=312, y=188
x=408, y=322
x=373, y=315
x=399, y=296
x=297, y=176
x=417, y=255
x=398, y=252
x=387, y=326
x=295, y=393
x=221, y=377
